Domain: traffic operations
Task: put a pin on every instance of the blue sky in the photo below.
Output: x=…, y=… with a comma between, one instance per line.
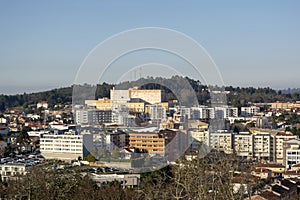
x=254, y=43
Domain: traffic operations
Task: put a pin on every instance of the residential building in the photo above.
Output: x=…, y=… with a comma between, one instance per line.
x=68, y=146
x=291, y=149
x=244, y=145
x=224, y=112
x=136, y=106
x=93, y=116
x=221, y=141
x=284, y=105
x=249, y=111
x=263, y=147
x=126, y=180
x=116, y=139
x=279, y=139
x=156, y=112
x=42, y=104
x=202, y=112
x=166, y=143
x=11, y=171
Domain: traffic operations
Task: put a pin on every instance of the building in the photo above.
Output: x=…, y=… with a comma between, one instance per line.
x=42, y=104
x=126, y=180
x=136, y=105
x=68, y=146
x=153, y=143
x=119, y=96
x=93, y=116
x=166, y=143
x=121, y=116
x=150, y=96
x=291, y=149
x=225, y=112
x=279, y=139
x=284, y=105
x=244, y=145
x=11, y=171
x=156, y=112
x=221, y=141
x=100, y=104
x=249, y=111
x=262, y=122
x=117, y=139
x=263, y=147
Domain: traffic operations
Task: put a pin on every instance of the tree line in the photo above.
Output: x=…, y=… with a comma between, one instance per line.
x=238, y=96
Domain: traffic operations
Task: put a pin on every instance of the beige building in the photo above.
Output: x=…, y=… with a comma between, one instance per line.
x=263, y=147
x=136, y=106
x=150, y=96
x=101, y=104
x=200, y=135
x=221, y=141
x=243, y=144
x=284, y=105
x=279, y=140
x=12, y=171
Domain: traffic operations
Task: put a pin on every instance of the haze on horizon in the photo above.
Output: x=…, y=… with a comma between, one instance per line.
x=254, y=43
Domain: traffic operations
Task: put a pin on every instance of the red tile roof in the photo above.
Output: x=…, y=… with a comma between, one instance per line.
x=270, y=165
x=284, y=134
x=296, y=165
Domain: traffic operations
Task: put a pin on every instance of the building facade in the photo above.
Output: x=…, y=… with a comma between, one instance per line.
x=66, y=146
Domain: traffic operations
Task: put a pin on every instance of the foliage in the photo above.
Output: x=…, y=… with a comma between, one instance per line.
x=237, y=96
x=90, y=158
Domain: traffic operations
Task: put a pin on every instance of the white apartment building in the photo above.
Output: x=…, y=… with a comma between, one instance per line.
x=156, y=112
x=221, y=141
x=81, y=116
x=249, y=111
x=291, y=152
x=11, y=171
x=226, y=112
x=202, y=112
x=259, y=146
x=67, y=146
x=279, y=140
x=126, y=180
x=263, y=146
x=244, y=144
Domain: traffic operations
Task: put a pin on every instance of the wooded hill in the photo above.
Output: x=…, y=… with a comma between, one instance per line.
x=237, y=96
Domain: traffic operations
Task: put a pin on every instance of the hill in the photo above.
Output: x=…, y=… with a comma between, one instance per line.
x=237, y=96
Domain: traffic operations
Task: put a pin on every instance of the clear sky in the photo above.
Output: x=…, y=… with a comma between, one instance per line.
x=43, y=43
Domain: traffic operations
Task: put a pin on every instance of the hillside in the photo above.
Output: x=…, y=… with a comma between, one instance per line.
x=237, y=96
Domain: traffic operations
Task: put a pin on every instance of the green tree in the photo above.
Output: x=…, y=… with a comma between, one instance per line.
x=90, y=158
x=115, y=153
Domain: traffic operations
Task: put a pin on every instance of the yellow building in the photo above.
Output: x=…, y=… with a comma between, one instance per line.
x=165, y=105
x=284, y=105
x=136, y=106
x=150, y=96
x=101, y=104
x=275, y=168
